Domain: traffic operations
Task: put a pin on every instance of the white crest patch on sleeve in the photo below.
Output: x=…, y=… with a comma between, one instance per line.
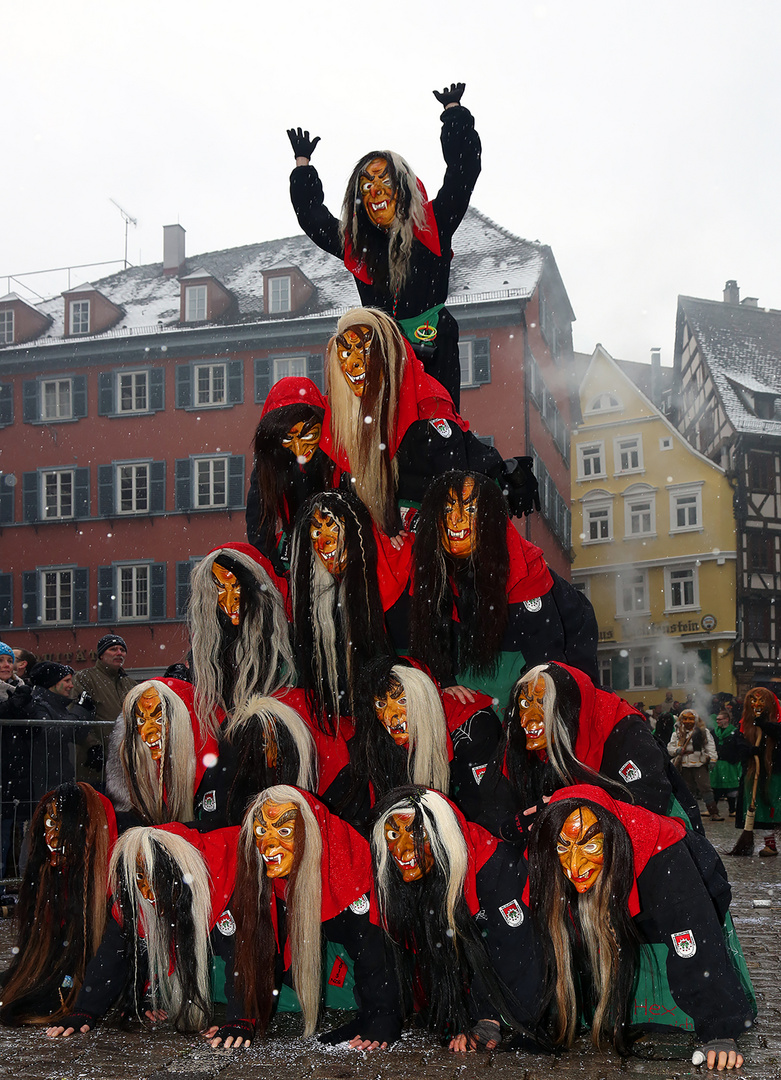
x=442, y=427
x=533, y=605
x=226, y=924
x=684, y=943
x=629, y=772
x=512, y=913
x=361, y=905
x=478, y=771
x=209, y=802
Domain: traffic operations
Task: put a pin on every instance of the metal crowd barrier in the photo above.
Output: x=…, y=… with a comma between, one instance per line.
x=36, y=756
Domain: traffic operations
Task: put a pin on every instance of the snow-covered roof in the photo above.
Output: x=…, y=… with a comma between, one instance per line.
x=741, y=345
x=490, y=263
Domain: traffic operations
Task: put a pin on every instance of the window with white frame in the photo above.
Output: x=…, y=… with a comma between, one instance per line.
x=285, y=366
x=628, y=454
x=632, y=593
x=605, y=402
x=466, y=360
x=6, y=327
x=210, y=384
x=195, y=303
x=606, y=672
x=598, y=522
x=57, y=494
x=686, y=672
x=641, y=671
x=133, y=488
x=56, y=399
x=685, y=507
x=666, y=442
x=279, y=297
x=132, y=391
x=681, y=588
x=583, y=587
x=591, y=460
x=57, y=596
x=211, y=482
x=133, y=587
x=79, y=311
x=639, y=512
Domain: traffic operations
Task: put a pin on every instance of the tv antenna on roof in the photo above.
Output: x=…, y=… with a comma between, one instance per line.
x=128, y=220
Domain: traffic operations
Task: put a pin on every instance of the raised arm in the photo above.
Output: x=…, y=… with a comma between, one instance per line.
x=306, y=194
x=461, y=150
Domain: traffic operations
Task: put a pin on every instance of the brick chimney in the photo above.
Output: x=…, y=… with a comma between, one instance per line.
x=173, y=249
x=731, y=293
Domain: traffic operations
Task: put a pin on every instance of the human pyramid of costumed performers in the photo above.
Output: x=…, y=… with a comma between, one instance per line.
x=389, y=771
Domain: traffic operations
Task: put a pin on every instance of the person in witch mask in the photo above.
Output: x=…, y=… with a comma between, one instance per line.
x=61, y=911
x=559, y=730
x=406, y=732
x=485, y=604
x=239, y=633
x=304, y=875
x=391, y=429
x=392, y=239
x=289, y=466
x=760, y=726
x=449, y=896
x=162, y=763
x=609, y=882
x=170, y=887
x=338, y=617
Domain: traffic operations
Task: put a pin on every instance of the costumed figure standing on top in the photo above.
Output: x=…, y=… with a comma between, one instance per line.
x=392, y=239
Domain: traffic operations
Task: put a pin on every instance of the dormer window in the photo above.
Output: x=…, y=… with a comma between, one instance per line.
x=604, y=403
x=6, y=327
x=203, y=298
x=195, y=303
x=79, y=316
x=279, y=294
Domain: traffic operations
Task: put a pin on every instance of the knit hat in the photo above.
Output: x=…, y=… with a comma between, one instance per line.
x=48, y=674
x=108, y=640
x=6, y=650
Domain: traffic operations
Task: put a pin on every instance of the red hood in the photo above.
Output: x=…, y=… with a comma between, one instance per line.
x=777, y=718
x=111, y=825
x=428, y=235
x=252, y=552
x=219, y=851
x=528, y=576
x=294, y=390
x=600, y=711
x=204, y=743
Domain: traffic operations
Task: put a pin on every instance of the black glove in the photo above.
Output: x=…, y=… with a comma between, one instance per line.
x=78, y=1020
x=237, y=1029
x=20, y=698
x=519, y=485
x=302, y=145
x=448, y=97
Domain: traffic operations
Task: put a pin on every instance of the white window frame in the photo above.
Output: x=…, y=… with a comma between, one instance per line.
x=632, y=585
x=7, y=327
x=623, y=445
x=645, y=662
x=139, y=391
x=674, y=586
x=685, y=672
x=280, y=294
x=285, y=366
x=139, y=579
x=79, y=316
x=214, y=396
x=583, y=586
x=63, y=404
x=689, y=492
x=666, y=442
x=605, y=664
x=58, y=476
x=206, y=470
x=466, y=360
x=138, y=475
x=596, y=405
x=196, y=303
x=598, y=512
x=583, y=456
x=61, y=590
x=639, y=500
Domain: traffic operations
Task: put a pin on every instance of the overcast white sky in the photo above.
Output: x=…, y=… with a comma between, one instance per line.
x=639, y=140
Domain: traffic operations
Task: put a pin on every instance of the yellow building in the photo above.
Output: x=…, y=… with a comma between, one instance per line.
x=654, y=540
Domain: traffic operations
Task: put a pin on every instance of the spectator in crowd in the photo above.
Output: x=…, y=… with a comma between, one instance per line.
x=106, y=682
x=725, y=775
x=15, y=808
x=24, y=662
x=693, y=752
x=56, y=747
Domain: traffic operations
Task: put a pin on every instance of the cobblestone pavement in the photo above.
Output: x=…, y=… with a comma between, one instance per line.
x=111, y=1054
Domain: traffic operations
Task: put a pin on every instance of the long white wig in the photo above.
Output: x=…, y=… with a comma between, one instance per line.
x=266, y=714
x=427, y=728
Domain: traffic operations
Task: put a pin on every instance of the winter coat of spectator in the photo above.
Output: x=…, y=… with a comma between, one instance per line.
x=106, y=682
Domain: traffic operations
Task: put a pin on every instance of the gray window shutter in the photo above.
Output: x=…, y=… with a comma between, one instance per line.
x=314, y=369
x=81, y=493
x=481, y=360
x=236, y=481
x=157, y=487
x=262, y=379
x=184, y=386
x=6, y=600
x=183, y=570
x=31, y=410
x=157, y=605
x=106, y=491
x=235, y=381
x=6, y=500
x=156, y=389
x=183, y=484
x=30, y=597
x=81, y=595
x=30, y=504
x=6, y=405
x=106, y=597
x=106, y=384
x=79, y=396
